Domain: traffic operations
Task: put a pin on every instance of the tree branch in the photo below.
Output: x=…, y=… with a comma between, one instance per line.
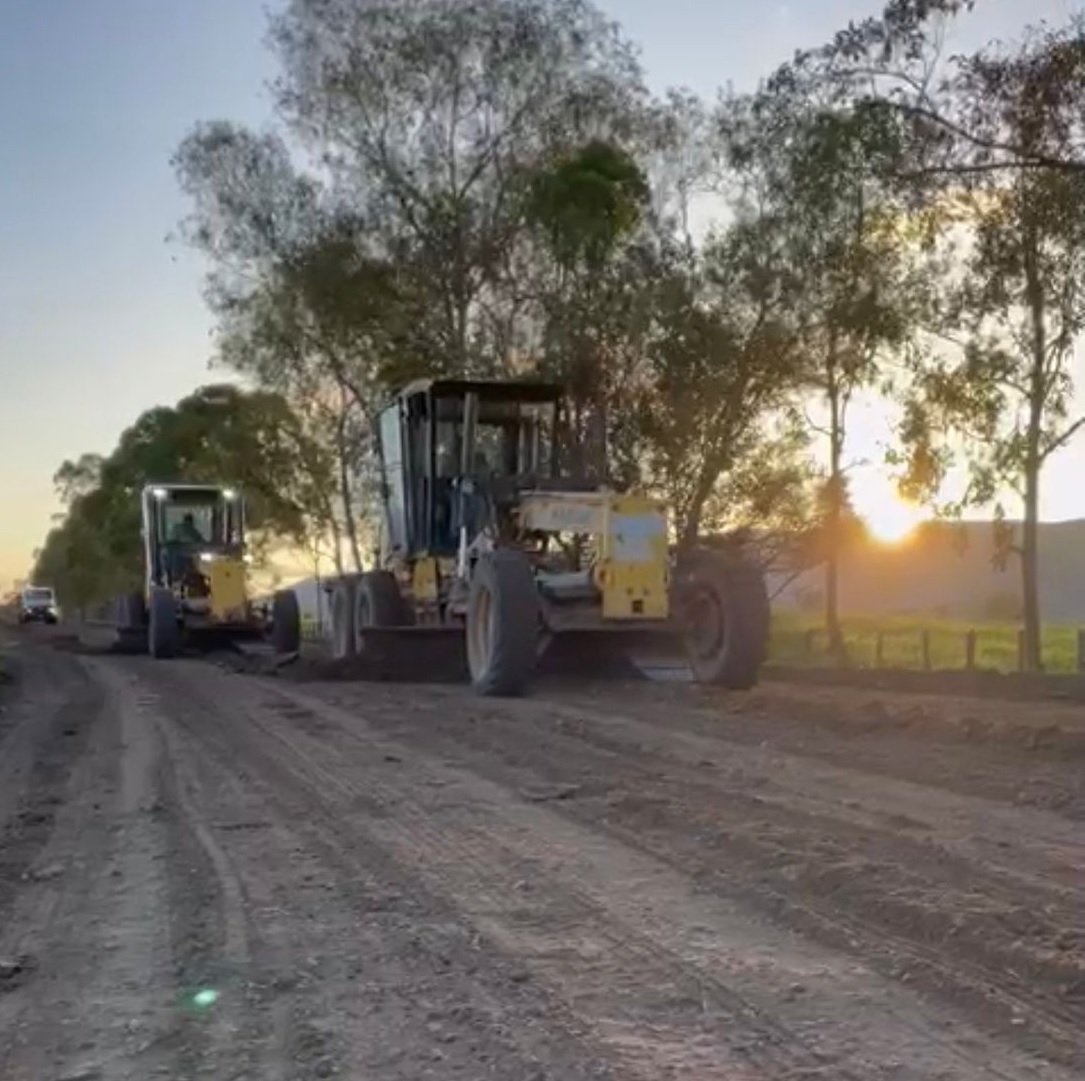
x=1061, y=440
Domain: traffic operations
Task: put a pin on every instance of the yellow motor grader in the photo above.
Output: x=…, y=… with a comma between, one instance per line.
x=486, y=536
x=196, y=578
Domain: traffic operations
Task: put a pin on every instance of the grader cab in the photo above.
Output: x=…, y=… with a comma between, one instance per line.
x=486, y=535
x=196, y=577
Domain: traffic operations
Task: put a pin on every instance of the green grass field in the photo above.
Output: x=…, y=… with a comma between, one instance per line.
x=799, y=640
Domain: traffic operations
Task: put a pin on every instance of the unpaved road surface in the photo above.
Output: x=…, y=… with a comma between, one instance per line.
x=212, y=875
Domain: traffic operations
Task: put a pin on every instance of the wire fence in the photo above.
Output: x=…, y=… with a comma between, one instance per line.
x=934, y=646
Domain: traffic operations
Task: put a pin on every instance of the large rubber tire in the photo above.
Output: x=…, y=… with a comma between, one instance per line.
x=131, y=622
x=285, y=622
x=729, y=605
x=502, y=624
x=377, y=603
x=164, y=633
x=342, y=617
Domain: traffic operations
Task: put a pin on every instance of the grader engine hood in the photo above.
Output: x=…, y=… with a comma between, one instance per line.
x=631, y=570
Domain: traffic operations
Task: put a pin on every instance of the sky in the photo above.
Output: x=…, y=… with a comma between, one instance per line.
x=101, y=316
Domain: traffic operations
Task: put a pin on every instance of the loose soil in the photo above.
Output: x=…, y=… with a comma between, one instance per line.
x=207, y=873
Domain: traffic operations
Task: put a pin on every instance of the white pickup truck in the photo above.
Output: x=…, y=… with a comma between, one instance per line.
x=38, y=604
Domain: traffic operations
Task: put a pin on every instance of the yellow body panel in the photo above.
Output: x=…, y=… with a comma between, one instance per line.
x=633, y=568
x=424, y=580
x=229, y=597
x=632, y=571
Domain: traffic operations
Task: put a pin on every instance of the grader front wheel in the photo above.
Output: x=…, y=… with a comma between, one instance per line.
x=502, y=624
x=131, y=623
x=727, y=621
x=164, y=632
x=285, y=622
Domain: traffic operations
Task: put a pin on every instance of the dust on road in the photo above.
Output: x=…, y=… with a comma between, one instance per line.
x=206, y=874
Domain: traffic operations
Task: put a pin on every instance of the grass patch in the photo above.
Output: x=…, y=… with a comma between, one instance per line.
x=801, y=640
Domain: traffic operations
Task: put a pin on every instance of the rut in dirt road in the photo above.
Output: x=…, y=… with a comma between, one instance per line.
x=666, y=976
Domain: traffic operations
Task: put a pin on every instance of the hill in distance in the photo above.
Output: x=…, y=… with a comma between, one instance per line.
x=948, y=569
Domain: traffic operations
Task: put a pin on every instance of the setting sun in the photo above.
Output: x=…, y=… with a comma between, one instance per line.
x=889, y=518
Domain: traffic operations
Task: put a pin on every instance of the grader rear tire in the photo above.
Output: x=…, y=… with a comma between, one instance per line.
x=728, y=611
x=378, y=603
x=285, y=622
x=164, y=632
x=342, y=613
x=502, y=624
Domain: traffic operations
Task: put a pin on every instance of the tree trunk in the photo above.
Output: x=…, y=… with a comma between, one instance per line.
x=691, y=524
x=1033, y=463
x=350, y=524
x=337, y=544
x=834, y=516
x=1030, y=571
x=346, y=494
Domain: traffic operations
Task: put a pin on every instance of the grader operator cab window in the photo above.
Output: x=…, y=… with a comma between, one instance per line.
x=508, y=438
x=438, y=438
x=497, y=450
x=185, y=525
x=189, y=525
x=198, y=517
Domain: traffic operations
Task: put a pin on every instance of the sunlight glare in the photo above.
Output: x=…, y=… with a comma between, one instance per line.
x=892, y=520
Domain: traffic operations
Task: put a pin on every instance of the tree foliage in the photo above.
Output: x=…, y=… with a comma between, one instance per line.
x=1020, y=308
x=815, y=170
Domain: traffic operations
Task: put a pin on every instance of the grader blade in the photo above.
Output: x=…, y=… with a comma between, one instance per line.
x=609, y=653
x=409, y=655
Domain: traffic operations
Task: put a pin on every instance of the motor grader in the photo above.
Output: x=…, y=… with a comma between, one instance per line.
x=485, y=535
x=195, y=590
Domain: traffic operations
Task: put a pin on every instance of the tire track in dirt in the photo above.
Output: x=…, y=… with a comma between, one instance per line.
x=98, y=991
x=198, y=892
x=46, y=728
x=258, y=1024
x=878, y=907
x=480, y=866
x=360, y=972
x=573, y=946
x=104, y=995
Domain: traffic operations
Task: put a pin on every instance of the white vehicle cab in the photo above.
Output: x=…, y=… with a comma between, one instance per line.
x=38, y=604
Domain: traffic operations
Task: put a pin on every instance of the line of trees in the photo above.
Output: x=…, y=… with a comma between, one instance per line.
x=488, y=188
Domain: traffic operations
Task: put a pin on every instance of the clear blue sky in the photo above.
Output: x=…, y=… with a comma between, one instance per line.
x=100, y=318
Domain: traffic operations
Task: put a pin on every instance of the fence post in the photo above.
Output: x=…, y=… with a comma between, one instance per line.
x=970, y=650
x=1021, y=650
x=925, y=645
x=879, y=650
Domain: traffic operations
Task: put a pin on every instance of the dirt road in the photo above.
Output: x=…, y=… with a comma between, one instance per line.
x=213, y=875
